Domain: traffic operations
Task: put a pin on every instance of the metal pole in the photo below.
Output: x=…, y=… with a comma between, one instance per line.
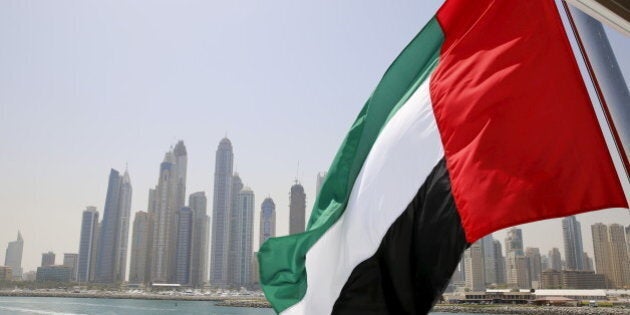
x=606, y=75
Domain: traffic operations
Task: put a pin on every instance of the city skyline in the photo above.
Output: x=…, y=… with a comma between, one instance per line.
x=126, y=75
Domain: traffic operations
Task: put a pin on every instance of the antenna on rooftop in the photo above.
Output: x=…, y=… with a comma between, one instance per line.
x=297, y=172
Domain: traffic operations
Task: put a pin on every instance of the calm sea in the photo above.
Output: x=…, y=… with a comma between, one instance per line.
x=71, y=306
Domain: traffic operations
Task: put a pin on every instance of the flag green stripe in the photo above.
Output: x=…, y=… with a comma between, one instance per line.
x=282, y=260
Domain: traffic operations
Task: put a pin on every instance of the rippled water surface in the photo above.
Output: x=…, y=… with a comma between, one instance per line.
x=75, y=306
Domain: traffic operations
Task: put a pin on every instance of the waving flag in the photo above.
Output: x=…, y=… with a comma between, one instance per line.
x=481, y=123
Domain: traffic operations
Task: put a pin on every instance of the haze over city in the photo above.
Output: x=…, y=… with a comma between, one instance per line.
x=89, y=86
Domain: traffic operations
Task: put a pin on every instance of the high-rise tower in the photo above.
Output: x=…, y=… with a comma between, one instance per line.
x=535, y=263
x=13, y=257
x=139, y=269
x=267, y=220
x=221, y=214
x=201, y=222
x=111, y=261
x=474, y=267
x=555, y=259
x=183, y=249
x=297, y=209
x=88, y=245
x=241, y=237
x=573, y=249
x=489, y=259
x=517, y=265
x=619, y=256
x=164, y=203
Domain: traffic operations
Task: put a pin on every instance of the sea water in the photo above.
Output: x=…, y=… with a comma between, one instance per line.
x=76, y=306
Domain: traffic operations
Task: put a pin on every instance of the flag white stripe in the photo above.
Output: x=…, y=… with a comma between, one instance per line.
x=403, y=155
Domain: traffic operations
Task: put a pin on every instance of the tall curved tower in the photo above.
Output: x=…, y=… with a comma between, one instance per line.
x=221, y=213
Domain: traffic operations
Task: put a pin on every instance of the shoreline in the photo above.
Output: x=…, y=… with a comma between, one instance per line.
x=523, y=309
x=116, y=295
x=261, y=302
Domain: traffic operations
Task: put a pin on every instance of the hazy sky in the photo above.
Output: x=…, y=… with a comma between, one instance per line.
x=86, y=86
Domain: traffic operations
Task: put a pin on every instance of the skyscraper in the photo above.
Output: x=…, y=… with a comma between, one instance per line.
x=88, y=245
x=164, y=202
x=516, y=260
x=555, y=259
x=474, y=267
x=619, y=256
x=535, y=263
x=201, y=222
x=267, y=220
x=297, y=209
x=48, y=259
x=111, y=261
x=489, y=260
x=13, y=257
x=139, y=269
x=601, y=250
x=573, y=249
x=235, y=230
x=499, y=262
x=71, y=261
x=588, y=262
x=242, y=230
x=221, y=214
x=183, y=249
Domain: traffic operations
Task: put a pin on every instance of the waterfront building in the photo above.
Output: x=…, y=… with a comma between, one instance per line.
x=475, y=269
x=619, y=256
x=53, y=273
x=499, y=263
x=267, y=220
x=489, y=260
x=555, y=259
x=88, y=245
x=242, y=238
x=221, y=215
x=6, y=273
x=48, y=259
x=544, y=262
x=601, y=250
x=516, y=276
x=71, y=261
x=571, y=279
x=611, y=254
x=573, y=249
x=588, y=262
x=165, y=201
x=235, y=229
x=140, y=265
x=13, y=256
x=535, y=262
x=201, y=222
x=111, y=261
x=297, y=209
x=183, y=249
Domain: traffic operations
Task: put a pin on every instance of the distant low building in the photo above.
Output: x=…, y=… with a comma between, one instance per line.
x=6, y=273
x=53, y=274
x=572, y=279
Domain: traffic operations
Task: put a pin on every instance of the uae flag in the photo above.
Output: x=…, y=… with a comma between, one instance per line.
x=483, y=122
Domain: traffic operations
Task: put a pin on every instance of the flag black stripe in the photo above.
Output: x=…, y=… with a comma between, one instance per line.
x=416, y=258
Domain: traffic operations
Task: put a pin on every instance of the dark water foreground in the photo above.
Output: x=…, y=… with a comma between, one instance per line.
x=106, y=306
